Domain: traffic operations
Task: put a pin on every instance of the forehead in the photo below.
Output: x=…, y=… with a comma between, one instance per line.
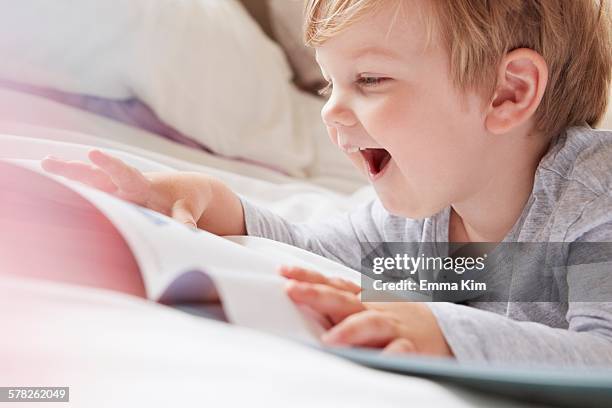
x=391, y=33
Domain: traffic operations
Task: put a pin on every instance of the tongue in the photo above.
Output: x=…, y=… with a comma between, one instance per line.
x=377, y=159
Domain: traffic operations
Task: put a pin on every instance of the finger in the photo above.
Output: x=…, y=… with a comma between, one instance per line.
x=367, y=329
x=133, y=185
x=305, y=275
x=400, y=346
x=79, y=171
x=322, y=320
x=332, y=302
x=181, y=213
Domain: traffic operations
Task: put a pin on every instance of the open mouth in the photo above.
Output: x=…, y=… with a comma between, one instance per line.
x=377, y=160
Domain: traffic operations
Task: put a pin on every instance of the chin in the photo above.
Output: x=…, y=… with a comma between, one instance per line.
x=400, y=207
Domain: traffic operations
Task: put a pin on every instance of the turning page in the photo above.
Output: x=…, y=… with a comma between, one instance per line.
x=179, y=264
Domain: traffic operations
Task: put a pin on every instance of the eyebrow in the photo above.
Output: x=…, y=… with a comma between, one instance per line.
x=370, y=51
x=375, y=51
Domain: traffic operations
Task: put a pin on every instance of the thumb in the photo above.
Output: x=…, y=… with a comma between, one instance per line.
x=181, y=213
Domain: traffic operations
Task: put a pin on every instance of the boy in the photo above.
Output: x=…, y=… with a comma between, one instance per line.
x=472, y=120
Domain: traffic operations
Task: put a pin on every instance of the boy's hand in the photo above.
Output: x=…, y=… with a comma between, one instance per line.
x=184, y=196
x=396, y=327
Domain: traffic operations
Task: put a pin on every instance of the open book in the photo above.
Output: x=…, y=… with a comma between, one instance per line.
x=179, y=264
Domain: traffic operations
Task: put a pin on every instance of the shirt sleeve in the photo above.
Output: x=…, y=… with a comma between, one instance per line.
x=480, y=335
x=342, y=238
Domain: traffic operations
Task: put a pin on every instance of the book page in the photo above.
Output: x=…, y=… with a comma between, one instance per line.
x=250, y=289
x=294, y=256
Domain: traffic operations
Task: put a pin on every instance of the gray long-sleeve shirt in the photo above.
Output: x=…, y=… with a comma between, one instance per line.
x=571, y=202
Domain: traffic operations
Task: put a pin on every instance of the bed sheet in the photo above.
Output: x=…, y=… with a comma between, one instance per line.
x=19, y=111
x=116, y=350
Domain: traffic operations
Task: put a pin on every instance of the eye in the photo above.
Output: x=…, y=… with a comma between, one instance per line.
x=326, y=90
x=364, y=82
x=371, y=82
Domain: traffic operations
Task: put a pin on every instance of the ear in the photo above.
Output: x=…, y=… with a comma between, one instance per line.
x=521, y=81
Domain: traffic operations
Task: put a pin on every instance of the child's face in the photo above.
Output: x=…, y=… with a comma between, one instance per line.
x=404, y=103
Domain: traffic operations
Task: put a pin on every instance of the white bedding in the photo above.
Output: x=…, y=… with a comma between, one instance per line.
x=204, y=67
x=45, y=123
x=114, y=350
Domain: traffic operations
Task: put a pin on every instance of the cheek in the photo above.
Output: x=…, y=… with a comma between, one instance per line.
x=403, y=127
x=388, y=118
x=435, y=138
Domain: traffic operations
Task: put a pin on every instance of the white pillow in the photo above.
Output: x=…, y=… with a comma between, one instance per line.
x=204, y=67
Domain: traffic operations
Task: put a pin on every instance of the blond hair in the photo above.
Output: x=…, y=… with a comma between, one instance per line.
x=573, y=37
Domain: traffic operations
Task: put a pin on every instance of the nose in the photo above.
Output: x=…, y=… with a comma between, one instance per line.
x=336, y=114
